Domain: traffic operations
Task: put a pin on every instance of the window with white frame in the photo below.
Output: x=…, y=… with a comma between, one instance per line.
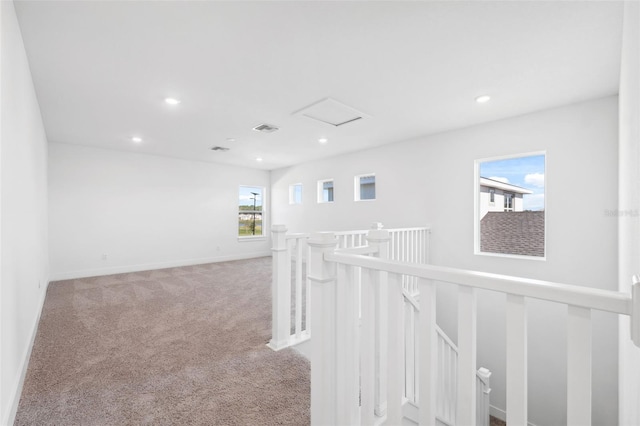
x=250, y=213
x=295, y=193
x=325, y=191
x=365, y=187
x=510, y=205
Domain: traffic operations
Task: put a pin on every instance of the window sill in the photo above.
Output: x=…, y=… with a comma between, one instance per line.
x=510, y=256
x=256, y=238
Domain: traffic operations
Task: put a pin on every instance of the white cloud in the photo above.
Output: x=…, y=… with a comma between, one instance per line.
x=499, y=179
x=535, y=179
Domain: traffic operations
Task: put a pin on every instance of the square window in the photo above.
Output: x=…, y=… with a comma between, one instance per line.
x=325, y=191
x=365, y=187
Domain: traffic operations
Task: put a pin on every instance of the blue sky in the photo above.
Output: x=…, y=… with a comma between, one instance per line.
x=527, y=172
x=246, y=196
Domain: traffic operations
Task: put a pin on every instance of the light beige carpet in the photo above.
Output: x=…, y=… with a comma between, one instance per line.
x=174, y=346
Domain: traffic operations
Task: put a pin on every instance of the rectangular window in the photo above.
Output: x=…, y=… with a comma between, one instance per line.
x=508, y=202
x=295, y=193
x=325, y=191
x=365, y=187
x=510, y=206
x=250, y=214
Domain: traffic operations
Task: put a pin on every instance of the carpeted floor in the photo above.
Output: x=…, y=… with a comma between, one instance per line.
x=174, y=346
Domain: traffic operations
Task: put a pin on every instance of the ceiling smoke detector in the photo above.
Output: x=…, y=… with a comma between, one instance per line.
x=265, y=128
x=219, y=148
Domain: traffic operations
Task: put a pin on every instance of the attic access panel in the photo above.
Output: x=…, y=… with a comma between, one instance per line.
x=330, y=111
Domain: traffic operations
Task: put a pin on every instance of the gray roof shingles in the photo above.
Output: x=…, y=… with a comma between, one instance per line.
x=520, y=233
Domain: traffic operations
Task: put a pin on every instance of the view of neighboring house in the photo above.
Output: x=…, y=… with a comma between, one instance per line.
x=505, y=227
x=496, y=196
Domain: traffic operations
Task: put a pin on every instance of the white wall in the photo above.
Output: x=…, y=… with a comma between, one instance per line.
x=430, y=181
x=629, y=187
x=23, y=213
x=143, y=211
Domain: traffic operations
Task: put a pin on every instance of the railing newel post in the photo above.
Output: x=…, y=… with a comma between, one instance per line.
x=280, y=289
x=322, y=276
x=379, y=238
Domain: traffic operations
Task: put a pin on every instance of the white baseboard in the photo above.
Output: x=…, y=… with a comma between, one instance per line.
x=499, y=413
x=83, y=273
x=16, y=390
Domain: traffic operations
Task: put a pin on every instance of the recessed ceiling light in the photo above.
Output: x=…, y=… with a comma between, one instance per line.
x=323, y=140
x=172, y=101
x=231, y=139
x=136, y=139
x=259, y=159
x=482, y=99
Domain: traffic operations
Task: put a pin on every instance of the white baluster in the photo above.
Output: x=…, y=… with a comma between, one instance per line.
x=409, y=351
x=579, y=366
x=307, y=319
x=280, y=290
x=427, y=352
x=466, y=410
x=323, y=344
x=516, y=360
x=299, y=288
x=367, y=347
x=395, y=362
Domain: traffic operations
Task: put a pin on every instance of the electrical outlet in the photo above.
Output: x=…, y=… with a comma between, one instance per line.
x=104, y=257
x=218, y=248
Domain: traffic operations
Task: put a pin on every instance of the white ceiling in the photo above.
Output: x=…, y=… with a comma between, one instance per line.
x=102, y=69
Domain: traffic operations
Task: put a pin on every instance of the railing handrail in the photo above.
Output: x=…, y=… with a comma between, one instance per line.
x=568, y=294
x=295, y=236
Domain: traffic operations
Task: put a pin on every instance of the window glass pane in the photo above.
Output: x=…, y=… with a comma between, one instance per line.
x=250, y=202
x=325, y=191
x=367, y=187
x=295, y=193
x=511, y=208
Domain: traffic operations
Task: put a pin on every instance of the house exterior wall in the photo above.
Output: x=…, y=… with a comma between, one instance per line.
x=581, y=248
x=143, y=212
x=498, y=205
x=24, y=265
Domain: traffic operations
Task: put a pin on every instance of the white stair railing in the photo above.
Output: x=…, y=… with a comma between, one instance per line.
x=290, y=288
x=446, y=371
x=343, y=373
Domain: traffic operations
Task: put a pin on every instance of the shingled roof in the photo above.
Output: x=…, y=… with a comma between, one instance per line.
x=520, y=233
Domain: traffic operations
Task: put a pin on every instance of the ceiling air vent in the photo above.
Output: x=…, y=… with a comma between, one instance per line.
x=265, y=128
x=219, y=148
x=330, y=111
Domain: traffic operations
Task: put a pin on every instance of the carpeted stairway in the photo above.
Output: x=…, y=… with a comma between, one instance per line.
x=174, y=346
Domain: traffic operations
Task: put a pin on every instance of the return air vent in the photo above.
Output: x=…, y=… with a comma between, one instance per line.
x=330, y=111
x=265, y=128
x=219, y=148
